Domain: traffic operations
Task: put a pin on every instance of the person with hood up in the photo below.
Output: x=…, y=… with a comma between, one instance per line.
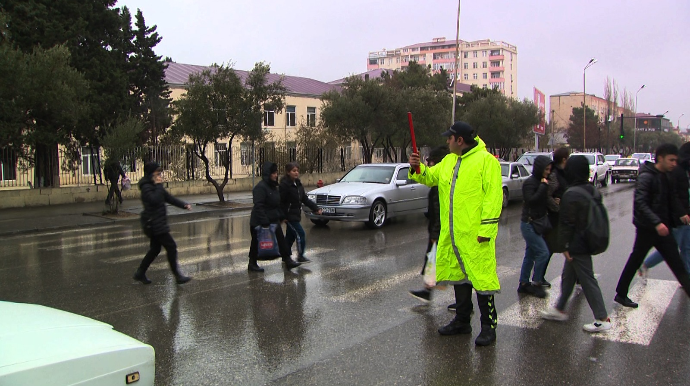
x=470, y=194
x=655, y=210
x=267, y=211
x=573, y=211
x=558, y=184
x=154, y=220
x=534, y=192
x=681, y=230
x=292, y=196
x=113, y=171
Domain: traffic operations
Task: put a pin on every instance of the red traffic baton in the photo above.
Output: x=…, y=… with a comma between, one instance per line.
x=414, y=142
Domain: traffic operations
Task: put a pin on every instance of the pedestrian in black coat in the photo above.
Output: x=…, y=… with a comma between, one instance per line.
x=267, y=211
x=113, y=171
x=154, y=221
x=292, y=196
x=434, y=227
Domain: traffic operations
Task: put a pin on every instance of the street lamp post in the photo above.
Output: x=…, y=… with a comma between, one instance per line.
x=678, y=125
x=584, y=103
x=635, y=128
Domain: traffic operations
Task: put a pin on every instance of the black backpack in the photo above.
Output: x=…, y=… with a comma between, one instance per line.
x=596, y=233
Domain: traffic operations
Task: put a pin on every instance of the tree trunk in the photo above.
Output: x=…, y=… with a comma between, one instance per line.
x=46, y=168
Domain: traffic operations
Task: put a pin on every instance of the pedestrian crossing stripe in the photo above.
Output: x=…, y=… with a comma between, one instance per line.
x=526, y=313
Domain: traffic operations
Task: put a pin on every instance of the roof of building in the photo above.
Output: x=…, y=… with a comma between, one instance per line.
x=372, y=74
x=177, y=74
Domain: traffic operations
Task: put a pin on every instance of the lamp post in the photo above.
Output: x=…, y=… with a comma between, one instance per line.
x=678, y=125
x=584, y=103
x=457, y=59
x=635, y=128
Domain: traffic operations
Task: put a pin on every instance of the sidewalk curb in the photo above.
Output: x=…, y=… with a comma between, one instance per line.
x=207, y=213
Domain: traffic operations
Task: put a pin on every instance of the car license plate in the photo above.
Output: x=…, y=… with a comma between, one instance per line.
x=327, y=210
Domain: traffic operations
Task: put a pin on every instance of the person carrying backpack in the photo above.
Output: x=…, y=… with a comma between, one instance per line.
x=583, y=231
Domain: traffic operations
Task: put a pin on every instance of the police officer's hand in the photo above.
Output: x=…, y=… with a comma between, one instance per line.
x=414, y=160
x=481, y=239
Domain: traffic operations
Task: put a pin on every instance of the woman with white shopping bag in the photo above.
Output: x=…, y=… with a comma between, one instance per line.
x=433, y=214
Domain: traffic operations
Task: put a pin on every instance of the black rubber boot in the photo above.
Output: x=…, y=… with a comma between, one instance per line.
x=489, y=320
x=140, y=275
x=290, y=264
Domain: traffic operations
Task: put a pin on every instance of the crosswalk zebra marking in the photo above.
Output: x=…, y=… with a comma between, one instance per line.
x=526, y=312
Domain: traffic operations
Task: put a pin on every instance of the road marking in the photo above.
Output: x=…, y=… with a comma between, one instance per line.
x=526, y=312
x=638, y=325
x=139, y=256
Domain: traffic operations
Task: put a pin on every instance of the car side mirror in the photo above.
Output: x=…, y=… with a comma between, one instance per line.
x=400, y=182
x=515, y=175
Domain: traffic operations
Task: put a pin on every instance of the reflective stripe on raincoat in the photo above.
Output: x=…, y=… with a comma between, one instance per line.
x=471, y=197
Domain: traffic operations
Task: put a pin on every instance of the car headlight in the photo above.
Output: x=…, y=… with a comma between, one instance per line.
x=359, y=200
x=312, y=197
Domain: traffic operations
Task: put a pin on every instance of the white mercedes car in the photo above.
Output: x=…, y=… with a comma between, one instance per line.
x=370, y=193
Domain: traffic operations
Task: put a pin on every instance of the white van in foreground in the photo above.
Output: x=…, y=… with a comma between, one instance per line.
x=42, y=346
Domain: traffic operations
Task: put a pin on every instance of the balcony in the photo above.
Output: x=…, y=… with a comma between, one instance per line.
x=496, y=57
x=497, y=80
x=497, y=69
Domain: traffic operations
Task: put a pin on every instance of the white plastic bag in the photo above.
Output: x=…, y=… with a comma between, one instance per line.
x=126, y=183
x=430, y=268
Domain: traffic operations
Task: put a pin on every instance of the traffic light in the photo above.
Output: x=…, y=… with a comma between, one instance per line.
x=622, y=132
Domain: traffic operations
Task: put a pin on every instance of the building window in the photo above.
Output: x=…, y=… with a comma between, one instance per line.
x=89, y=161
x=475, y=65
x=495, y=52
x=311, y=116
x=484, y=64
x=290, y=116
x=220, y=154
x=474, y=76
x=465, y=66
x=466, y=77
x=246, y=153
x=485, y=76
x=465, y=54
x=382, y=61
x=484, y=53
x=269, y=118
x=484, y=85
x=372, y=61
x=474, y=54
x=8, y=163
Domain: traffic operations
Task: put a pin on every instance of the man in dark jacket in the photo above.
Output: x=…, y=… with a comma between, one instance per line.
x=113, y=171
x=558, y=184
x=292, y=196
x=154, y=220
x=267, y=211
x=573, y=211
x=534, y=192
x=681, y=230
x=434, y=215
x=655, y=210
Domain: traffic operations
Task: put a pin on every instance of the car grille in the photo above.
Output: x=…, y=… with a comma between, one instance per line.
x=322, y=199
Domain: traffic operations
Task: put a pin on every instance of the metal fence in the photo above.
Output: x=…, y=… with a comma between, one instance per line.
x=178, y=162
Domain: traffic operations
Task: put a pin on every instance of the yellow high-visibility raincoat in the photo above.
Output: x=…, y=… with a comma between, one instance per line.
x=470, y=192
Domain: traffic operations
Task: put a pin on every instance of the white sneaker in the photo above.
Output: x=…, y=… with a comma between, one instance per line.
x=642, y=272
x=552, y=313
x=598, y=326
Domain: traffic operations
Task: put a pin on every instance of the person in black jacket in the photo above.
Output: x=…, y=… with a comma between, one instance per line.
x=557, y=186
x=434, y=216
x=154, y=220
x=681, y=230
x=655, y=210
x=573, y=211
x=292, y=196
x=113, y=171
x=534, y=192
x=267, y=211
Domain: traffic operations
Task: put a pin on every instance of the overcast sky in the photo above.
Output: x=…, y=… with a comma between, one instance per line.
x=635, y=42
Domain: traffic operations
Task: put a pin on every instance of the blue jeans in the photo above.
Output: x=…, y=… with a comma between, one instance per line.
x=682, y=236
x=536, y=254
x=290, y=236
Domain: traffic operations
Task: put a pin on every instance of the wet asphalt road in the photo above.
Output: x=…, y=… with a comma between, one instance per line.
x=346, y=318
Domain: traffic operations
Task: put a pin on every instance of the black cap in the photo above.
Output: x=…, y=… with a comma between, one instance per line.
x=151, y=167
x=460, y=129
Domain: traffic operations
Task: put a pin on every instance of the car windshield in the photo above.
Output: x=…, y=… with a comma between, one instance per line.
x=370, y=174
x=612, y=157
x=528, y=159
x=590, y=158
x=642, y=156
x=626, y=162
x=505, y=169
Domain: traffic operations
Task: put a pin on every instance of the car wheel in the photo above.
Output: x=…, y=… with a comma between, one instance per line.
x=319, y=222
x=613, y=180
x=605, y=181
x=505, y=197
x=377, y=214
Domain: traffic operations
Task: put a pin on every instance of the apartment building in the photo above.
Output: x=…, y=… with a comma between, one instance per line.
x=562, y=107
x=484, y=63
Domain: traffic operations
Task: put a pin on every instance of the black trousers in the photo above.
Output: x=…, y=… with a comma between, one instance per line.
x=282, y=245
x=463, y=303
x=114, y=190
x=157, y=241
x=666, y=245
